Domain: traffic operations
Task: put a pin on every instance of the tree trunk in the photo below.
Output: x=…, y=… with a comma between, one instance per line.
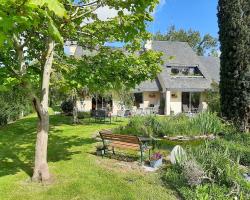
x=75, y=111
x=41, y=169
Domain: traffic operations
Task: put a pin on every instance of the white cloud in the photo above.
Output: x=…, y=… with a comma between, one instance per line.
x=104, y=14
x=160, y=6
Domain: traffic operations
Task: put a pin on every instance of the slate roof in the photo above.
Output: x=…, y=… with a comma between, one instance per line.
x=213, y=67
x=149, y=86
x=183, y=55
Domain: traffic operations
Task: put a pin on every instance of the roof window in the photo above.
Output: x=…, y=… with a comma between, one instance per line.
x=185, y=71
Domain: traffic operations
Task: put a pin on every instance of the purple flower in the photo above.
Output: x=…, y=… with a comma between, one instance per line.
x=156, y=156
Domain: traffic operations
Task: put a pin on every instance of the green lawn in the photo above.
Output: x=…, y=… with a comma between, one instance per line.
x=77, y=173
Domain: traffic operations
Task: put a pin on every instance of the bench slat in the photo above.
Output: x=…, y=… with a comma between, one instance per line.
x=123, y=141
x=109, y=134
x=117, y=137
x=124, y=145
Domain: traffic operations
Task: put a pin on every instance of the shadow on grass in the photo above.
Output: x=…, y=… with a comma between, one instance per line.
x=121, y=156
x=17, y=144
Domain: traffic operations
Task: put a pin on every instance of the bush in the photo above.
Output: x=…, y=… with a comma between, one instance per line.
x=67, y=106
x=14, y=104
x=237, y=145
x=193, y=172
x=212, y=97
x=219, y=166
x=207, y=123
x=176, y=125
x=136, y=126
x=226, y=181
x=181, y=124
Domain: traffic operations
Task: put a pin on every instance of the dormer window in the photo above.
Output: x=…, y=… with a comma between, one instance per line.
x=185, y=71
x=175, y=71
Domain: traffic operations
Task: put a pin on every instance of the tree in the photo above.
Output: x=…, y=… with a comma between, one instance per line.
x=212, y=97
x=234, y=36
x=108, y=70
x=32, y=34
x=200, y=45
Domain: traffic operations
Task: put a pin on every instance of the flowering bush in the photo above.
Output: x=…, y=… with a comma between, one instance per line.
x=156, y=156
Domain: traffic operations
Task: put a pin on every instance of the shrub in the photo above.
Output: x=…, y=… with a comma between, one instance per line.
x=212, y=97
x=207, y=123
x=181, y=124
x=221, y=168
x=207, y=191
x=67, y=106
x=136, y=126
x=238, y=150
x=210, y=192
x=193, y=172
x=226, y=181
x=13, y=105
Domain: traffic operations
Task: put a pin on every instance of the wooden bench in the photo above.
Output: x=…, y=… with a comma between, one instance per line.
x=124, y=142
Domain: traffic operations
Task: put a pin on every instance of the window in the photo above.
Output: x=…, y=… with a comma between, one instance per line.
x=175, y=71
x=185, y=71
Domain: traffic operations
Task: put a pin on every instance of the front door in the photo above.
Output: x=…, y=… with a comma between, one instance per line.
x=186, y=102
x=190, y=101
x=138, y=99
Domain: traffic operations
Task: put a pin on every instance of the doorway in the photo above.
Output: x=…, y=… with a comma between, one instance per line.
x=190, y=101
x=99, y=102
x=138, y=99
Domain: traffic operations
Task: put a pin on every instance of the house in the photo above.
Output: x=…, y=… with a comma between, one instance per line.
x=178, y=88
x=184, y=78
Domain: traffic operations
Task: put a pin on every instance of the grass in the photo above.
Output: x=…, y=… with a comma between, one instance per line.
x=77, y=173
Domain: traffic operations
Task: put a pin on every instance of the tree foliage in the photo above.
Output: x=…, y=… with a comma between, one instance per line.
x=212, y=97
x=201, y=45
x=32, y=34
x=234, y=36
x=113, y=69
x=13, y=104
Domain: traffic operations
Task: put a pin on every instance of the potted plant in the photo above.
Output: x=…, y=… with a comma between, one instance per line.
x=156, y=160
x=100, y=150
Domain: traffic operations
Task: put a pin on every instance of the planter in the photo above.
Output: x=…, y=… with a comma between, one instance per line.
x=156, y=163
x=100, y=152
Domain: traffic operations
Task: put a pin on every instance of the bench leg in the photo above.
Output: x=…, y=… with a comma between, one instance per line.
x=149, y=152
x=113, y=149
x=141, y=156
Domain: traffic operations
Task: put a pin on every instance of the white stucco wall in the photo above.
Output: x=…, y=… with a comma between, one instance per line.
x=175, y=102
x=151, y=98
x=84, y=106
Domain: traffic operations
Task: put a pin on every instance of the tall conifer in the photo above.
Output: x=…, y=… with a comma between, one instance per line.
x=234, y=36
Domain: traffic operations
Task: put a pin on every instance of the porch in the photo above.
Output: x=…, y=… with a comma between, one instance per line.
x=184, y=102
x=170, y=102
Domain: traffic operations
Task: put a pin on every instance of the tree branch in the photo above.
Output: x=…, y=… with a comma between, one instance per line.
x=20, y=55
x=84, y=5
x=85, y=13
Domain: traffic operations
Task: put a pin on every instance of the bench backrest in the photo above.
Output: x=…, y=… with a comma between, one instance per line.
x=108, y=135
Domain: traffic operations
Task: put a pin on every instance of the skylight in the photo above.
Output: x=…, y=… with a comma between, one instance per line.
x=185, y=71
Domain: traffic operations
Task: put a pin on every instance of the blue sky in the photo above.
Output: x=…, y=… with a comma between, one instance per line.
x=196, y=14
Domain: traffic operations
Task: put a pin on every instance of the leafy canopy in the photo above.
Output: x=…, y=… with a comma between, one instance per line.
x=27, y=25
